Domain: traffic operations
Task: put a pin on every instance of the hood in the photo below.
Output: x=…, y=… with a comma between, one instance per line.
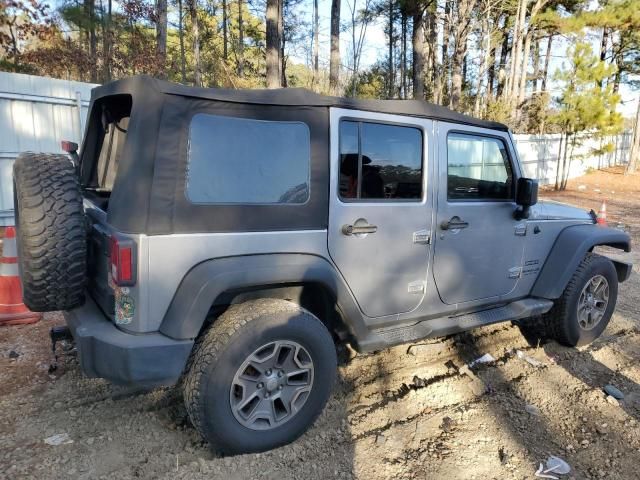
x=550, y=210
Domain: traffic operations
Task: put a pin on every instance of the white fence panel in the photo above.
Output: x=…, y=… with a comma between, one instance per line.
x=539, y=154
x=36, y=113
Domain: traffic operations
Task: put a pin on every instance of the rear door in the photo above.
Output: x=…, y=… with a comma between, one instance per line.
x=380, y=212
x=479, y=245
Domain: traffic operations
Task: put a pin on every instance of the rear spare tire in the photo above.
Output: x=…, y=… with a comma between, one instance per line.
x=51, y=232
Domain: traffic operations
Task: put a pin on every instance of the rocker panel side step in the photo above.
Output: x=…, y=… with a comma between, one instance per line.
x=438, y=327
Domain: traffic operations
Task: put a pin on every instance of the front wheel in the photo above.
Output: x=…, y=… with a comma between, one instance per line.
x=583, y=311
x=260, y=376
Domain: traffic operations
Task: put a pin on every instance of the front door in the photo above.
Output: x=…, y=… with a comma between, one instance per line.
x=478, y=244
x=380, y=213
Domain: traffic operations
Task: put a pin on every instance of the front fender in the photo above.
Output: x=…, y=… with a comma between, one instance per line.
x=569, y=249
x=205, y=282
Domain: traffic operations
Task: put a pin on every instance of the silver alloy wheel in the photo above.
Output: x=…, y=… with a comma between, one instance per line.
x=272, y=385
x=593, y=302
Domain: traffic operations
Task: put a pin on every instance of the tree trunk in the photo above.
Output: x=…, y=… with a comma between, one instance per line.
x=334, y=62
x=183, y=57
x=603, y=44
x=547, y=58
x=106, y=43
x=90, y=11
x=504, y=51
x=536, y=65
x=559, y=166
x=634, y=152
x=525, y=66
x=240, y=40
x=403, y=61
x=433, y=74
x=456, y=77
x=197, y=69
x=446, y=37
x=316, y=44
x=281, y=58
x=516, y=56
x=161, y=36
x=391, y=84
x=460, y=29
x=418, y=44
x=225, y=30
x=273, y=44
x=514, y=41
x=567, y=163
x=485, y=54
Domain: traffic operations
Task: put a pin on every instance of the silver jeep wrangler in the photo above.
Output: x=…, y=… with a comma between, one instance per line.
x=232, y=238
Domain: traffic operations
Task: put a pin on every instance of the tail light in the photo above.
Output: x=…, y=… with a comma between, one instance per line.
x=123, y=261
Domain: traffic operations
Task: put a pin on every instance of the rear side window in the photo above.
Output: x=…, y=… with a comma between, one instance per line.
x=478, y=168
x=244, y=161
x=379, y=161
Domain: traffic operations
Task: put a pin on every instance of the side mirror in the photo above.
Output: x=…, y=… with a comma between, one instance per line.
x=526, y=196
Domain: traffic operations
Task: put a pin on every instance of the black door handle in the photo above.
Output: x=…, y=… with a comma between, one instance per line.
x=455, y=223
x=358, y=229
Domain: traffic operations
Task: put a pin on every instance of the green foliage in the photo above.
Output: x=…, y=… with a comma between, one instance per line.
x=369, y=84
x=584, y=104
x=498, y=110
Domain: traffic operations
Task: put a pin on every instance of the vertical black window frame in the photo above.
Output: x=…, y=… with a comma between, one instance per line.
x=414, y=194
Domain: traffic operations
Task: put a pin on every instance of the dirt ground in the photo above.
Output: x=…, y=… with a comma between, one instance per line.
x=406, y=412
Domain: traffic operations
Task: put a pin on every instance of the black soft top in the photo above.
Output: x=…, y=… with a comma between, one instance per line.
x=295, y=97
x=149, y=191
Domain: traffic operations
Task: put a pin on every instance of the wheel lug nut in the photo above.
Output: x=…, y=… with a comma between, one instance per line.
x=269, y=372
x=279, y=387
x=260, y=385
x=280, y=373
x=266, y=395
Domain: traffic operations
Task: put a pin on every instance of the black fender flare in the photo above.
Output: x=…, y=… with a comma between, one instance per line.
x=205, y=282
x=571, y=246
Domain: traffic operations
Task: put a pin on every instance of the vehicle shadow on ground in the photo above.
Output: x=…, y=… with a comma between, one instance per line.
x=583, y=366
x=536, y=435
x=507, y=405
x=325, y=451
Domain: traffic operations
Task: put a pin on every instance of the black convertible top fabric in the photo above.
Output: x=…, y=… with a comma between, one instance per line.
x=292, y=97
x=148, y=195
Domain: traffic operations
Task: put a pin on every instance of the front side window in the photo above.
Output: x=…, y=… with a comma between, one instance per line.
x=379, y=161
x=244, y=161
x=478, y=168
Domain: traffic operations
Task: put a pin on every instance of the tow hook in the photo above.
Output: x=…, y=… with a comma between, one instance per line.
x=60, y=334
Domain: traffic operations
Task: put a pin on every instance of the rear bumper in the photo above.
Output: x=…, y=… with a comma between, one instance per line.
x=106, y=352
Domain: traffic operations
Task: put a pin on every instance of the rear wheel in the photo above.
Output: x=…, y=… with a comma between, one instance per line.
x=51, y=232
x=260, y=376
x=585, y=308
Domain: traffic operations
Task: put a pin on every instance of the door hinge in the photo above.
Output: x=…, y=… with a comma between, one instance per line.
x=515, y=272
x=422, y=236
x=521, y=229
x=416, y=287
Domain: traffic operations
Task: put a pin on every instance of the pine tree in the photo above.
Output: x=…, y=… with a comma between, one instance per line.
x=583, y=105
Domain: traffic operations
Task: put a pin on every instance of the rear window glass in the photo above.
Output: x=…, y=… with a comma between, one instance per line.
x=244, y=161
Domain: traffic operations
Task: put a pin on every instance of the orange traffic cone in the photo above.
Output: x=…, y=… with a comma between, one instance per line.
x=602, y=214
x=12, y=310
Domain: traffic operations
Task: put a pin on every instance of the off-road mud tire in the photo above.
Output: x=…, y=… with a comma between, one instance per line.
x=561, y=322
x=220, y=352
x=51, y=232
